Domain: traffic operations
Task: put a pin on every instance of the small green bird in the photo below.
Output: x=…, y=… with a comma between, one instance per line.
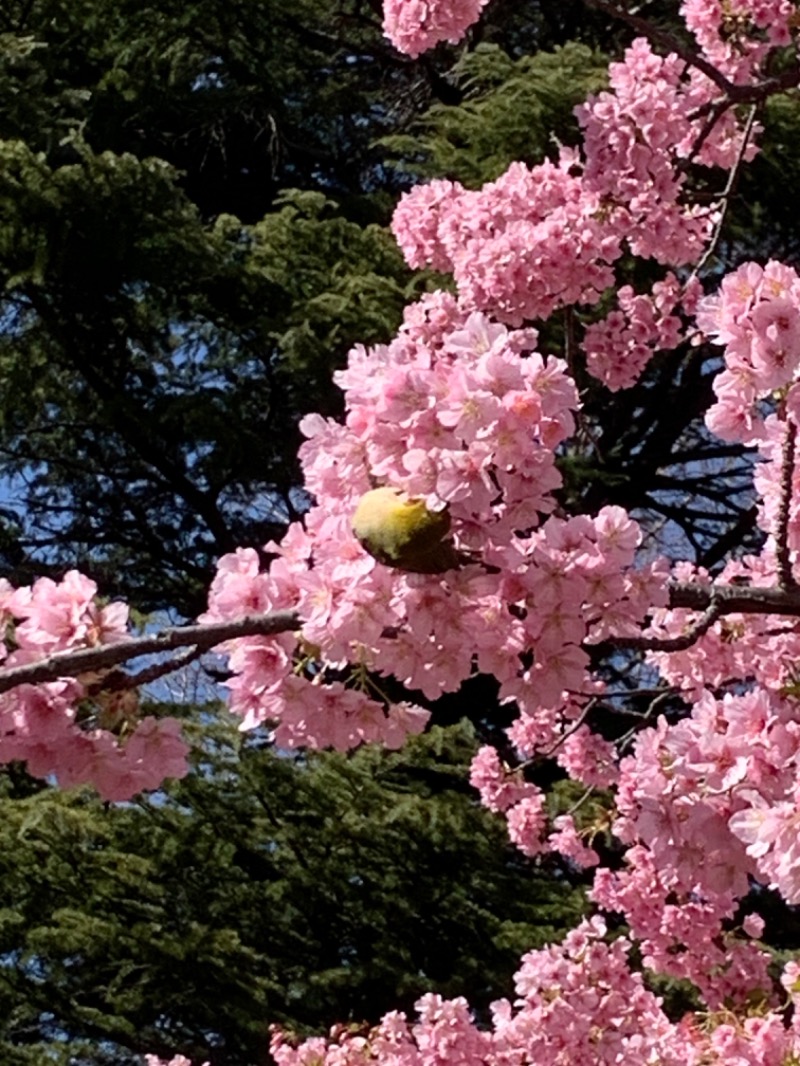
x=404, y=533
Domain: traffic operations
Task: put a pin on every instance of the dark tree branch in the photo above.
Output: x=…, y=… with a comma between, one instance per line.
x=135, y=429
x=680, y=643
x=715, y=601
x=118, y=680
x=736, y=599
x=735, y=94
x=201, y=637
x=732, y=537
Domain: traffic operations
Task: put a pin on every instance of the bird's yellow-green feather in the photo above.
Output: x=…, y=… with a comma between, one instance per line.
x=403, y=532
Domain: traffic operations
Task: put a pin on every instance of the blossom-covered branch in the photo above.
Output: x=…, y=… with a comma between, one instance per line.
x=715, y=600
x=201, y=637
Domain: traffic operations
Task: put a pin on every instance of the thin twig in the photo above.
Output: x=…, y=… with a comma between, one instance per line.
x=697, y=630
x=785, y=577
x=727, y=192
x=587, y=710
x=629, y=694
x=715, y=109
x=592, y=703
x=580, y=801
x=146, y=676
x=715, y=601
x=655, y=704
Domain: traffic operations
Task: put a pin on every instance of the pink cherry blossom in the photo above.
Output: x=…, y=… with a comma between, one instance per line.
x=416, y=25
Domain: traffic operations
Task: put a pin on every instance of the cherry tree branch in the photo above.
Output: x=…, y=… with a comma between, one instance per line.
x=715, y=601
x=200, y=637
x=712, y=614
x=118, y=680
x=735, y=599
x=667, y=41
x=736, y=94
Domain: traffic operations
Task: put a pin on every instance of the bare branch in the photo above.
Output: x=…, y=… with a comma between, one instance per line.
x=736, y=599
x=118, y=680
x=661, y=697
x=574, y=727
x=730, y=187
x=714, y=111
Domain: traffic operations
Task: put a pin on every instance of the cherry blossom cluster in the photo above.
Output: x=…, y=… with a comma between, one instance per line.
x=686, y=867
x=619, y=346
x=459, y=411
x=59, y=728
x=566, y=224
x=712, y=801
x=756, y=317
x=709, y=802
x=413, y=26
x=747, y=744
x=578, y=1002
x=723, y=782
x=503, y=790
x=737, y=36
